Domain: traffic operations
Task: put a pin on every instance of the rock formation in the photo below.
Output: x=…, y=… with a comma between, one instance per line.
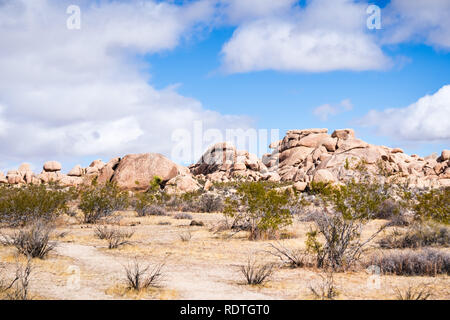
x=302, y=156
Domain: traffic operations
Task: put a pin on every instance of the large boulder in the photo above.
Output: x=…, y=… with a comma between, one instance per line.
x=343, y=134
x=76, y=171
x=445, y=155
x=3, y=178
x=182, y=184
x=136, y=171
x=107, y=171
x=52, y=166
x=323, y=175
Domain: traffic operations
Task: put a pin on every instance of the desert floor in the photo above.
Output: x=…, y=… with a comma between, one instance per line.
x=206, y=267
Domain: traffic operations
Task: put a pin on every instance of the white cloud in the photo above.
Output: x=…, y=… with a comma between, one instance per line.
x=239, y=11
x=420, y=21
x=426, y=120
x=68, y=94
x=324, y=111
x=327, y=35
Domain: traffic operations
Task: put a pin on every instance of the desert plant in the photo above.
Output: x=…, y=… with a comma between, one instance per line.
x=255, y=273
x=263, y=210
x=34, y=241
x=183, y=216
x=185, y=236
x=413, y=263
x=210, y=203
x=17, y=288
x=325, y=289
x=153, y=210
x=417, y=235
x=114, y=236
x=98, y=201
x=19, y=206
x=434, y=205
x=295, y=258
x=139, y=277
x=414, y=293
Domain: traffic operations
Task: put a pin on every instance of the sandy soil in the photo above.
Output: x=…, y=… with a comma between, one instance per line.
x=206, y=267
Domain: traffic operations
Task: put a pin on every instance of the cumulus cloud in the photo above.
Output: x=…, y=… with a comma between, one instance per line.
x=426, y=120
x=420, y=20
x=72, y=93
x=311, y=39
x=324, y=111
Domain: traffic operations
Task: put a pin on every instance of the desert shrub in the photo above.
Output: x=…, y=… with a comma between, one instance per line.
x=413, y=263
x=388, y=210
x=115, y=236
x=183, y=216
x=17, y=288
x=185, y=236
x=295, y=258
x=325, y=288
x=99, y=201
x=418, y=235
x=414, y=293
x=19, y=206
x=344, y=211
x=255, y=273
x=210, y=203
x=263, y=211
x=34, y=241
x=139, y=277
x=153, y=210
x=433, y=205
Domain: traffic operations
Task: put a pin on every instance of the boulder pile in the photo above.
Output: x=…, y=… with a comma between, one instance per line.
x=301, y=157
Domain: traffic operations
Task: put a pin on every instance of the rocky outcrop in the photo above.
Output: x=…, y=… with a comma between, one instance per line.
x=301, y=157
x=136, y=171
x=223, y=163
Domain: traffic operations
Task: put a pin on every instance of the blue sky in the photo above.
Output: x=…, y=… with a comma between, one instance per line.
x=137, y=73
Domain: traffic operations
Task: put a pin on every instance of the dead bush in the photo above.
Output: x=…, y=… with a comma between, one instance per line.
x=152, y=210
x=185, y=236
x=424, y=262
x=17, y=288
x=210, y=203
x=256, y=273
x=295, y=258
x=414, y=293
x=139, y=277
x=325, y=288
x=183, y=216
x=34, y=241
x=115, y=236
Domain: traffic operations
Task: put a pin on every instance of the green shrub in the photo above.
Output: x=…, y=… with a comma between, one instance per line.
x=418, y=235
x=434, y=205
x=19, y=206
x=98, y=201
x=263, y=209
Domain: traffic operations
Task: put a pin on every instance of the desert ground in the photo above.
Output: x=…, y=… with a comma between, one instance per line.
x=206, y=265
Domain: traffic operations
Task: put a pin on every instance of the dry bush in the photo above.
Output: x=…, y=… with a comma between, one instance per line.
x=17, y=288
x=152, y=210
x=424, y=262
x=34, y=241
x=325, y=289
x=414, y=293
x=185, y=236
x=295, y=258
x=255, y=273
x=418, y=235
x=210, y=203
x=181, y=216
x=115, y=236
x=139, y=277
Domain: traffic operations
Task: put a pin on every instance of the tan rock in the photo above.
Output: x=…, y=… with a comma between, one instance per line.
x=349, y=144
x=343, y=134
x=294, y=156
x=208, y=185
x=136, y=171
x=3, y=178
x=52, y=166
x=300, y=186
x=182, y=184
x=397, y=150
x=329, y=143
x=445, y=155
x=323, y=175
x=76, y=171
x=24, y=167
x=313, y=140
x=15, y=179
